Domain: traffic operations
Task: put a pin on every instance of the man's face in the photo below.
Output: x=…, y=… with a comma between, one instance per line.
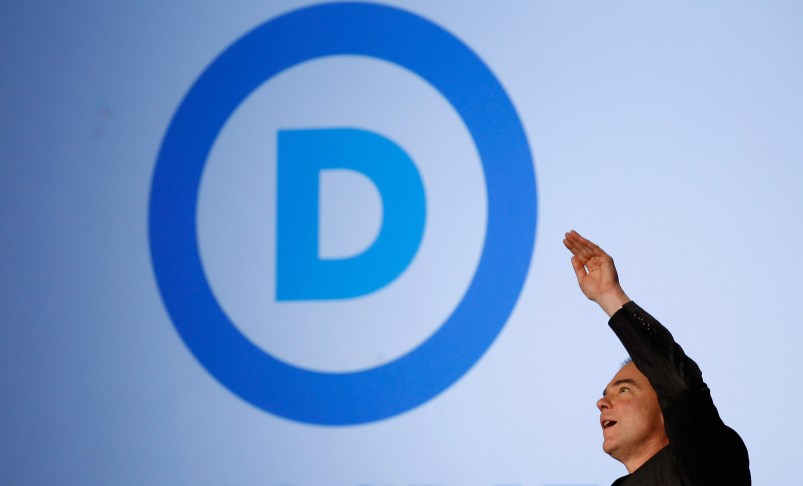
x=632, y=422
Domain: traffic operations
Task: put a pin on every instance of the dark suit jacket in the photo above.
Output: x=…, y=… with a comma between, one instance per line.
x=702, y=450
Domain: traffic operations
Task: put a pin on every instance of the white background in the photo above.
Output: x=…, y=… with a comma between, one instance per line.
x=669, y=134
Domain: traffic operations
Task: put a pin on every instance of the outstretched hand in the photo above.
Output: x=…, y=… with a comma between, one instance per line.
x=595, y=273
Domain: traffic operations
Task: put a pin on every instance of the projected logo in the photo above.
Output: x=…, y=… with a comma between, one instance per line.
x=397, y=155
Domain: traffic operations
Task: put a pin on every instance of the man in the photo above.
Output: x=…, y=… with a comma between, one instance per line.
x=657, y=415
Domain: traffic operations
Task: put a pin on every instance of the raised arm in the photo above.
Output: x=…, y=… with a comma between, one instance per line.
x=704, y=448
x=595, y=273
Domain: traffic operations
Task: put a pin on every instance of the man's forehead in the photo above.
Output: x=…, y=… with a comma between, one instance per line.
x=629, y=370
x=628, y=373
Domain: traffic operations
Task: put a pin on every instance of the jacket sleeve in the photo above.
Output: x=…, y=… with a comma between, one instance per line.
x=706, y=449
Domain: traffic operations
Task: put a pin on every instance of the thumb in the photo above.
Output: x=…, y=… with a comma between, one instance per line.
x=579, y=269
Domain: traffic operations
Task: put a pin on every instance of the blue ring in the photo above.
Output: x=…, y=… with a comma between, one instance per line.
x=461, y=77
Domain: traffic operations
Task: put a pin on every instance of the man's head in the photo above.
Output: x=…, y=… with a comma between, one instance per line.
x=632, y=422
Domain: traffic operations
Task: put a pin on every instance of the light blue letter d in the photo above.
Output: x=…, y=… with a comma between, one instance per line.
x=302, y=154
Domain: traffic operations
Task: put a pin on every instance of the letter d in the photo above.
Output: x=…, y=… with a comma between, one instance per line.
x=302, y=154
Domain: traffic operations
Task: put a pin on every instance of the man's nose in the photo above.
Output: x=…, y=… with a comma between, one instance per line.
x=603, y=404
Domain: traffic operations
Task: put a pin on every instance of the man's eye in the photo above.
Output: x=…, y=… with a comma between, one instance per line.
x=624, y=389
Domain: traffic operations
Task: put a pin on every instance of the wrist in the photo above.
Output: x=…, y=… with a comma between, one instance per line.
x=612, y=301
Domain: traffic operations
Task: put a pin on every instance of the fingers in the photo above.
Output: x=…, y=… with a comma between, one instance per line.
x=580, y=247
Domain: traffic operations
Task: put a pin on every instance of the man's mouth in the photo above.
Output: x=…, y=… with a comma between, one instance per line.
x=608, y=423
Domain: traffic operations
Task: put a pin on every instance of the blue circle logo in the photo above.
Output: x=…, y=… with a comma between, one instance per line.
x=463, y=79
